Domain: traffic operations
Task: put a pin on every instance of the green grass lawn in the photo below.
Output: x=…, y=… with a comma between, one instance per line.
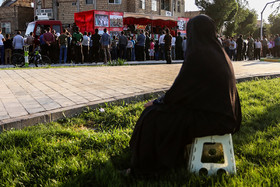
x=90, y=150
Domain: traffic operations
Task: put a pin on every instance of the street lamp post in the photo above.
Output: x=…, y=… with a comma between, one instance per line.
x=262, y=16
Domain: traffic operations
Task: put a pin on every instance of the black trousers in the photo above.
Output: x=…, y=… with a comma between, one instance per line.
x=86, y=53
x=140, y=52
x=168, y=56
x=78, y=54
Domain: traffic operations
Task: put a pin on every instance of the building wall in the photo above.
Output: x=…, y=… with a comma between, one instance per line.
x=67, y=8
x=18, y=17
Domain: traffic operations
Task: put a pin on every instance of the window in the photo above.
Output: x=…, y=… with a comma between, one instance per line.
x=48, y=12
x=6, y=27
x=165, y=5
x=115, y=1
x=154, y=5
x=179, y=6
x=89, y=2
x=142, y=4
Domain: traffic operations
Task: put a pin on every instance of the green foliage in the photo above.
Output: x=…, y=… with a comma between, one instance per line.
x=219, y=10
x=89, y=150
x=274, y=21
x=118, y=62
x=243, y=23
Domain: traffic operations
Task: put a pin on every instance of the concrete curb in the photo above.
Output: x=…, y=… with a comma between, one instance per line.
x=66, y=112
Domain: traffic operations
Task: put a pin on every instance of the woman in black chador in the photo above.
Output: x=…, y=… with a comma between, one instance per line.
x=202, y=101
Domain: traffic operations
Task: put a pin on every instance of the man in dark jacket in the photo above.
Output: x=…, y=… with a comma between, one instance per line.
x=122, y=45
x=95, y=46
x=178, y=47
x=167, y=40
x=239, y=43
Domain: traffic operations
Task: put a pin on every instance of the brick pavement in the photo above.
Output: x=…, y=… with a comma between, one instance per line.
x=30, y=96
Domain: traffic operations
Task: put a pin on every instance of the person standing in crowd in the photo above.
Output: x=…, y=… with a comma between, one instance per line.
x=140, y=54
x=264, y=46
x=122, y=46
x=161, y=46
x=173, y=53
x=133, y=49
x=8, y=45
x=69, y=48
x=184, y=46
x=277, y=45
x=244, y=49
x=77, y=40
x=85, y=45
x=55, y=47
x=105, y=43
x=232, y=48
x=114, y=48
x=129, y=49
x=18, y=43
x=250, y=51
x=239, y=43
x=95, y=45
x=30, y=41
x=63, y=44
x=167, y=40
x=270, y=48
x=152, y=49
x=179, y=47
x=147, y=45
x=258, y=46
x=226, y=45
x=90, y=48
x=157, y=50
x=2, y=49
x=43, y=43
x=48, y=38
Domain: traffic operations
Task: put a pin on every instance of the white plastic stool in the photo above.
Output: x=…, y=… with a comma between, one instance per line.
x=195, y=164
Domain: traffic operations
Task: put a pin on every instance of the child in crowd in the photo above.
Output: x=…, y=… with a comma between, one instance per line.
x=152, y=49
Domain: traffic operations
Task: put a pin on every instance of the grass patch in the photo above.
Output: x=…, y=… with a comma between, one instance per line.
x=90, y=149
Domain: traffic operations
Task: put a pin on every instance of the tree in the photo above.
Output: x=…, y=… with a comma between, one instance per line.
x=274, y=21
x=247, y=25
x=219, y=10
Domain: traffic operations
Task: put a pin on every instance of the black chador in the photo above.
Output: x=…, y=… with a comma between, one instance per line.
x=202, y=101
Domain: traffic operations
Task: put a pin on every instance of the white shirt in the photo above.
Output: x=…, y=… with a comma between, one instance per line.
x=18, y=42
x=85, y=41
x=161, y=39
x=173, y=41
x=258, y=44
x=1, y=39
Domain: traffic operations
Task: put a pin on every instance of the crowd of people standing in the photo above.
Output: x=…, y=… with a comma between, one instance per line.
x=75, y=47
x=251, y=49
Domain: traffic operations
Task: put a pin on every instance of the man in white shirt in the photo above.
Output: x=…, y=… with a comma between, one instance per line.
x=85, y=44
x=18, y=43
x=162, y=46
x=258, y=46
x=173, y=41
x=2, y=50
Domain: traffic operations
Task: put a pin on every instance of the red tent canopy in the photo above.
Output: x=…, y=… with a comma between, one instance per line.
x=154, y=20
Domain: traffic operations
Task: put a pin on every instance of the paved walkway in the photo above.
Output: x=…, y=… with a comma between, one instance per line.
x=29, y=96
